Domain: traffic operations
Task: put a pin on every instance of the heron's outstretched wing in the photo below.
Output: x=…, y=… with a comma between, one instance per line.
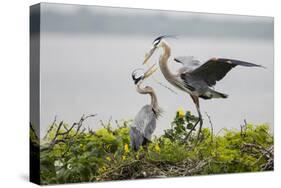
x=215, y=69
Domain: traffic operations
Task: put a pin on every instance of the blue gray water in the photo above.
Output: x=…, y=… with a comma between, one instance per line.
x=88, y=54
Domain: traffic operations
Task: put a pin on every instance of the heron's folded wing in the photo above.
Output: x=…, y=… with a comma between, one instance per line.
x=215, y=69
x=136, y=138
x=143, y=118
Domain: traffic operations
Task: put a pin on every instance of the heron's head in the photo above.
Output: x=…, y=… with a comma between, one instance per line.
x=158, y=42
x=139, y=75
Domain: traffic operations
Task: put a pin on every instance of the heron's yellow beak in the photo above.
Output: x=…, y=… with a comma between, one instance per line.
x=149, y=54
x=150, y=71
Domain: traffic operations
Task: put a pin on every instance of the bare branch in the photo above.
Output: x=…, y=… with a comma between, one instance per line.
x=65, y=135
x=212, y=129
x=51, y=127
x=32, y=130
x=266, y=153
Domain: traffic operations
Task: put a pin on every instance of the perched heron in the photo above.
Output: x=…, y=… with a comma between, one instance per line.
x=197, y=82
x=144, y=123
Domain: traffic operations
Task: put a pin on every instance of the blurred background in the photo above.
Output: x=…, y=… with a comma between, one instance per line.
x=88, y=54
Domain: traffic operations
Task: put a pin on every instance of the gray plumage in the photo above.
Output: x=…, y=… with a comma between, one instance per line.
x=189, y=63
x=143, y=127
x=200, y=80
x=144, y=122
x=216, y=68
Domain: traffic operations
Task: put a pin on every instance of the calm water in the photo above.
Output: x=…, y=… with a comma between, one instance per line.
x=86, y=75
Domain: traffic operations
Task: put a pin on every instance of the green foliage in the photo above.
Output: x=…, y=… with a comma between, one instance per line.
x=105, y=154
x=183, y=122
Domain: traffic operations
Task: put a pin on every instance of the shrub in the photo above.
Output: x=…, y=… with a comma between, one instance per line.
x=70, y=154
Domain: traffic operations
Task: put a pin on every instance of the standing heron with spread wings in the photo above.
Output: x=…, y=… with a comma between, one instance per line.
x=197, y=82
x=144, y=123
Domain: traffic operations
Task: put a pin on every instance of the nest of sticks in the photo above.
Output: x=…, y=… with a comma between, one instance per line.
x=143, y=168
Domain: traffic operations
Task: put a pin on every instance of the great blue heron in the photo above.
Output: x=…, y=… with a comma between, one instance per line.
x=144, y=123
x=196, y=82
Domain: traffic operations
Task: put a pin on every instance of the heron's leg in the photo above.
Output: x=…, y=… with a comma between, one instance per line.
x=200, y=120
x=196, y=101
x=192, y=129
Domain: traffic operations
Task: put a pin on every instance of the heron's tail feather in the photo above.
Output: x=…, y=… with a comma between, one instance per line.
x=213, y=94
x=216, y=94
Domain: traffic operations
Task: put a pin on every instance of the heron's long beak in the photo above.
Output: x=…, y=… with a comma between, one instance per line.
x=149, y=54
x=150, y=71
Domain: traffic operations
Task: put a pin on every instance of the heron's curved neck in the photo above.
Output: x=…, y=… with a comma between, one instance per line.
x=163, y=61
x=154, y=101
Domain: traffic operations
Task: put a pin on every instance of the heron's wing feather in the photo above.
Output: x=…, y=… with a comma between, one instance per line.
x=191, y=83
x=215, y=69
x=150, y=128
x=187, y=61
x=184, y=59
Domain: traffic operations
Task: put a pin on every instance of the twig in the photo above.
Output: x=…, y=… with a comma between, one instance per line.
x=65, y=134
x=263, y=150
x=212, y=129
x=163, y=85
x=268, y=154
